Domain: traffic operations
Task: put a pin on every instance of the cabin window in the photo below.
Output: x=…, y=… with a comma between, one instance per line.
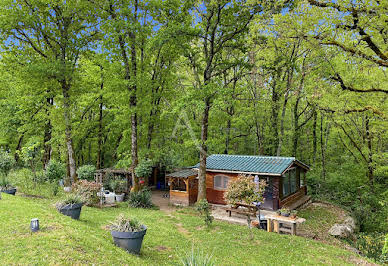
x=221, y=182
x=302, y=178
x=289, y=182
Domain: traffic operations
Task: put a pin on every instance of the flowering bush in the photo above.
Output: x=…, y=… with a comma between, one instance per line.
x=88, y=190
x=244, y=190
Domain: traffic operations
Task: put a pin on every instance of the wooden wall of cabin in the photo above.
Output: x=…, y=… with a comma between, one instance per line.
x=214, y=195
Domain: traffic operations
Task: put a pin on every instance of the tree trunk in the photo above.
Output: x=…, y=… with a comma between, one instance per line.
x=370, y=154
x=19, y=148
x=279, y=150
x=69, y=141
x=296, y=128
x=100, y=162
x=133, y=103
x=315, y=116
x=274, y=121
x=228, y=127
x=203, y=152
x=47, y=135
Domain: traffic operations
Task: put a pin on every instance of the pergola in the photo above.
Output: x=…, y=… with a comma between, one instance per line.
x=126, y=173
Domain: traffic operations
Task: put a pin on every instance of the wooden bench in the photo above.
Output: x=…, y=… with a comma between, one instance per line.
x=249, y=209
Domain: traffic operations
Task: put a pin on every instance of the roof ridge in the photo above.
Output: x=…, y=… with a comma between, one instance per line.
x=258, y=156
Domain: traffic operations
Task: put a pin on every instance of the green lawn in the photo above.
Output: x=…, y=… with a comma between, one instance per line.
x=66, y=241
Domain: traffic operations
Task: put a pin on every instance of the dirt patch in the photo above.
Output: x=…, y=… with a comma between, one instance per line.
x=160, y=199
x=182, y=230
x=162, y=248
x=31, y=196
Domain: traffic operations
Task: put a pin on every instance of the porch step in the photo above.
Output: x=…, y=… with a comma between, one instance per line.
x=298, y=203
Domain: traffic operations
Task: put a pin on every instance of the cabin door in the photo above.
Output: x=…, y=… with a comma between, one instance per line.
x=268, y=195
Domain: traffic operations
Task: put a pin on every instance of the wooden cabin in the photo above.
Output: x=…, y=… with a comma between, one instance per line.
x=285, y=176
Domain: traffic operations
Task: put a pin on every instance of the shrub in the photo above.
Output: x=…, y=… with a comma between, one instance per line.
x=86, y=172
x=5, y=184
x=6, y=162
x=144, y=169
x=140, y=199
x=88, y=190
x=124, y=224
x=197, y=258
x=204, y=209
x=55, y=171
x=70, y=199
x=372, y=246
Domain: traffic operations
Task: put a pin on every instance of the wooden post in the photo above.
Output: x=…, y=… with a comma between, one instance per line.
x=276, y=226
x=269, y=225
x=293, y=229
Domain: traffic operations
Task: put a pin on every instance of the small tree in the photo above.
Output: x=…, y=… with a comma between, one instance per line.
x=245, y=190
x=31, y=155
x=204, y=209
x=6, y=162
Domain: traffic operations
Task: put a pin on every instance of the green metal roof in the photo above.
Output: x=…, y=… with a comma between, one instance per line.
x=185, y=173
x=250, y=164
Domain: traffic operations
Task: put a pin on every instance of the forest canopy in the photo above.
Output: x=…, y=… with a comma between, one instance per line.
x=113, y=83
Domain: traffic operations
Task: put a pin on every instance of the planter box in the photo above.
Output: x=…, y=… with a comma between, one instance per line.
x=11, y=191
x=72, y=210
x=109, y=198
x=129, y=241
x=120, y=197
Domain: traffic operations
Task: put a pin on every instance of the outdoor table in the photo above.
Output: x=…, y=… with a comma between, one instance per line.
x=274, y=222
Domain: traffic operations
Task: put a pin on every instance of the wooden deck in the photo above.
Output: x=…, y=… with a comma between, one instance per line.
x=298, y=203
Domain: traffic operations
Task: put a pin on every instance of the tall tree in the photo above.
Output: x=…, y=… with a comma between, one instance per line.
x=58, y=32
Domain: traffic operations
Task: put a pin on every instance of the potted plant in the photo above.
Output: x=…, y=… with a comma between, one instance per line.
x=6, y=186
x=128, y=233
x=115, y=185
x=285, y=212
x=71, y=206
x=293, y=214
x=120, y=191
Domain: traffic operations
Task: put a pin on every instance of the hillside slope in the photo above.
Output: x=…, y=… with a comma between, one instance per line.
x=65, y=241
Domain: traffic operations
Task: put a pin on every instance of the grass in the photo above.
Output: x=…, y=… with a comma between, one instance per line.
x=320, y=217
x=169, y=236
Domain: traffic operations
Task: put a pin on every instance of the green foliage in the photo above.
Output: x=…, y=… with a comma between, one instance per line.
x=55, y=171
x=125, y=224
x=22, y=179
x=372, y=246
x=6, y=162
x=140, y=199
x=86, y=172
x=144, y=169
x=285, y=211
x=30, y=153
x=204, y=209
x=5, y=183
x=197, y=258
